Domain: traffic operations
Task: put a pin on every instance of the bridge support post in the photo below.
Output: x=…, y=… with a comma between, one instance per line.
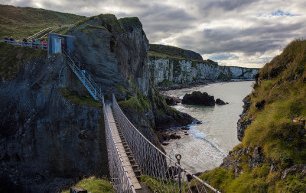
x=178, y=158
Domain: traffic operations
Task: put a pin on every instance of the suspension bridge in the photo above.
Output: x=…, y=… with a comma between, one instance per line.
x=133, y=160
x=136, y=165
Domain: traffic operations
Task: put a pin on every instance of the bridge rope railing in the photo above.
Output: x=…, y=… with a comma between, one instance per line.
x=119, y=177
x=165, y=173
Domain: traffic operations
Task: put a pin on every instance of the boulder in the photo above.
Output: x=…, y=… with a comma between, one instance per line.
x=221, y=102
x=170, y=100
x=198, y=122
x=199, y=98
x=165, y=143
x=175, y=136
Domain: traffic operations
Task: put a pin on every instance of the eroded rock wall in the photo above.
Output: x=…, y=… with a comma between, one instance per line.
x=47, y=140
x=167, y=72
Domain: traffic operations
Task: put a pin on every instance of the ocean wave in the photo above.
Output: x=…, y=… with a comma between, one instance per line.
x=200, y=135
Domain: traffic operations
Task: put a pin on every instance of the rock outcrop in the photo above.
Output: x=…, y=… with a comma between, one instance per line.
x=51, y=131
x=244, y=121
x=221, y=102
x=171, y=100
x=198, y=98
x=47, y=138
x=114, y=53
x=172, y=67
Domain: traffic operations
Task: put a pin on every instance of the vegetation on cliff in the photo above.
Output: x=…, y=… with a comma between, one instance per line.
x=22, y=22
x=176, y=55
x=76, y=98
x=173, y=52
x=94, y=185
x=12, y=57
x=272, y=155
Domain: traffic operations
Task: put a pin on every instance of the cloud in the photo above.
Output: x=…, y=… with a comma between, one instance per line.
x=239, y=32
x=223, y=56
x=280, y=13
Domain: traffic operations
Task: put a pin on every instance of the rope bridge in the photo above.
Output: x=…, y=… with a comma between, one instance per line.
x=136, y=165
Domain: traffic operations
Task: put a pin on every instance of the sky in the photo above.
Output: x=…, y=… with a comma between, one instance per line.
x=245, y=33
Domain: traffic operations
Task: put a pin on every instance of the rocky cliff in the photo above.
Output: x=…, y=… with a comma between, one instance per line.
x=271, y=157
x=49, y=134
x=51, y=131
x=171, y=66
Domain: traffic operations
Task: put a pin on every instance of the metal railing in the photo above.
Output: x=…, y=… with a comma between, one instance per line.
x=40, y=33
x=165, y=173
x=85, y=78
x=26, y=44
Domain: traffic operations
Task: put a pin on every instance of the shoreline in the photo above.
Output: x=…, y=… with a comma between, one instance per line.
x=181, y=86
x=184, y=130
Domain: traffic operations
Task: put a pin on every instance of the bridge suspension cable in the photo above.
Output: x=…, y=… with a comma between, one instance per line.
x=155, y=163
x=160, y=172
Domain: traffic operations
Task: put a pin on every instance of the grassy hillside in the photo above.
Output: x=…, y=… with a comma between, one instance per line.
x=22, y=22
x=165, y=51
x=272, y=155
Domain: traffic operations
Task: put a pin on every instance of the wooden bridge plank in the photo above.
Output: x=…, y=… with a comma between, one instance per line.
x=120, y=148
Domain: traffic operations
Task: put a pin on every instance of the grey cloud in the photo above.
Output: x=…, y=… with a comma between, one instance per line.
x=180, y=20
x=250, y=40
x=227, y=5
x=223, y=56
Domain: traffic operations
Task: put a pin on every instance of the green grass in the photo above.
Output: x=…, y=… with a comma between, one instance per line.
x=218, y=177
x=155, y=54
x=175, y=52
x=12, y=57
x=139, y=103
x=80, y=100
x=282, y=87
x=156, y=185
x=94, y=185
x=22, y=22
x=292, y=184
x=277, y=128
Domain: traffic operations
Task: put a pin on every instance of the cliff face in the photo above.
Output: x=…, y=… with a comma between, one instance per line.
x=170, y=66
x=271, y=157
x=170, y=71
x=114, y=53
x=51, y=131
x=47, y=137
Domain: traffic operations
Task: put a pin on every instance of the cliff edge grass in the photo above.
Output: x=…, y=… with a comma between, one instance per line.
x=94, y=185
x=12, y=57
x=272, y=155
x=176, y=53
x=21, y=22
